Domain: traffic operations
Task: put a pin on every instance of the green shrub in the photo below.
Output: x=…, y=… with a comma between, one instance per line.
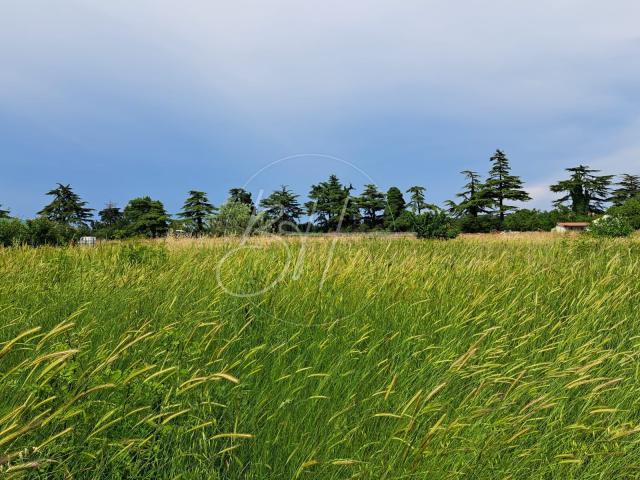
x=629, y=210
x=233, y=218
x=610, y=226
x=42, y=231
x=12, y=232
x=480, y=224
x=531, y=221
x=435, y=225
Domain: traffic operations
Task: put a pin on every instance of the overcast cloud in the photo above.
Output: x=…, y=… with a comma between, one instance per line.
x=413, y=91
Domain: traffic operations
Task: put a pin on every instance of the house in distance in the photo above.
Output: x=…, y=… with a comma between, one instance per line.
x=571, y=227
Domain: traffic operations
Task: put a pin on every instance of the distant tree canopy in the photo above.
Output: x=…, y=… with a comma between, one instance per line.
x=502, y=186
x=146, y=217
x=483, y=205
x=585, y=191
x=372, y=204
x=628, y=188
x=475, y=198
x=240, y=195
x=110, y=215
x=282, y=210
x=394, y=209
x=66, y=207
x=331, y=204
x=417, y=199
x=196, y=209
x=111, y=223
x=232, y=218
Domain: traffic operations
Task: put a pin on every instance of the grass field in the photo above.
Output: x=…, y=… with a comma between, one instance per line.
x=379, y=358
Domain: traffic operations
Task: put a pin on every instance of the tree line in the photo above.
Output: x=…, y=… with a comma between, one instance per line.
x=483, y=205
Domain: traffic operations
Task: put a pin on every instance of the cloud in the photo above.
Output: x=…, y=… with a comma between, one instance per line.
x=621, y=156
x=554, y=80
x=286, y=56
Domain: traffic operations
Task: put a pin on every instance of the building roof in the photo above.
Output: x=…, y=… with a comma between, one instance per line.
x=573, y=224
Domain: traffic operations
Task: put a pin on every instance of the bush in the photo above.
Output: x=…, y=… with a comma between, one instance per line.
x=12, y=232
x=435, y=225
x=233, y=218
x=629, y=210
x=405, y=222
x=480, y=224
x=42, y=231
x=610, y=226
x=531, y=221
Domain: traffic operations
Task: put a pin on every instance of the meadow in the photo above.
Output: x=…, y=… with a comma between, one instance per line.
x=322, y=358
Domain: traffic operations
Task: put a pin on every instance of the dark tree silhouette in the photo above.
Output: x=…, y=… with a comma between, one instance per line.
x=282, y=209
x=66, y=207
x=196, y=209
x=586, y=192
x=501, y=186
x=110, y=215
x=394, y=208
x=240, y=195
x=417, y=199
x=146, y=217
x=371, y=202
x=628, y=187
x=331, y=204
x=474, y=199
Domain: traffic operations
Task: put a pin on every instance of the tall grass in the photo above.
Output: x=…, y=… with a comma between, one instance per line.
x=403, y=359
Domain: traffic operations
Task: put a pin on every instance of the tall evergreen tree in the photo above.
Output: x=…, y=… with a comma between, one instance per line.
x=66, y=207
x=111, y=224
x=332, y=204
x=474, y=199
x=240, y=195
x=282, y=209
x=371, y=202
x=501, y=186
x=394, y=208
x=586, y=192
x=196, y=209
x=628, y=187
x=146, y=217
x=4, y=213
x=110, y=215
x=417, y=199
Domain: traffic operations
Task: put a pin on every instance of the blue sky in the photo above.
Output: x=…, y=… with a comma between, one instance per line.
x=129, y=98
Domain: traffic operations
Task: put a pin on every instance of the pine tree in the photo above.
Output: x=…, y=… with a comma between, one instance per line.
x=110, y=215
x=417, y=199
x=282, y=209
x=371, y=202
x=66, y=208
x=394, y=208
x=501, y=186
x=628, y=187
x=475, y=199
x=196, y=209
x=332, y=205
x=4, y=213
x=240, y=195
x=586, y=192
x=146, y=217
